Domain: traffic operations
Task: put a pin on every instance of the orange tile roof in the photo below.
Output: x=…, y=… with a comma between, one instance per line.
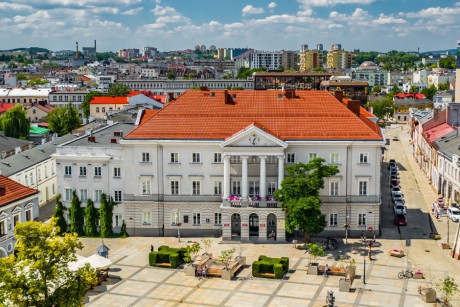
x=109, y=100
x=14, y=191
x=312, y=115
x=147, y=114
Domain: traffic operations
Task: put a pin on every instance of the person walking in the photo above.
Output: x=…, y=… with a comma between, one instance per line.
x=326, y=269
x=369, y=252
x=151, y=247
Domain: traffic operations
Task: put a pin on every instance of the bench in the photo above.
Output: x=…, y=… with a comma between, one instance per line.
x=333, y=270
x=163, y=264
x=215, y=272
x=269, y=275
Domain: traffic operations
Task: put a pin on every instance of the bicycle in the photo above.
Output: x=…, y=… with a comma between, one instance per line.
x=330, y=244
x=405, y=274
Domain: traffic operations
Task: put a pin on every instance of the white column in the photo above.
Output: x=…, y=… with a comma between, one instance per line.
x=244, y=177
x=263, y=177
x=280, y=170
x=226, y=177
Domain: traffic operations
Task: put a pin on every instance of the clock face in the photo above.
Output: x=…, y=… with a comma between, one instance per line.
x=254, y=139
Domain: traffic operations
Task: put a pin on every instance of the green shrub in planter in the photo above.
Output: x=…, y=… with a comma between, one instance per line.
x=265, y=267
x=285, y=262
x=175, y=260
x=162, y=247
x=163, y=257
x=262, y=257
x=255, y=268
x=153, y=257
x=278, y=269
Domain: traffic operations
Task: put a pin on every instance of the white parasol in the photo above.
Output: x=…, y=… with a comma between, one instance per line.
x=97, y=262
x=75, y=265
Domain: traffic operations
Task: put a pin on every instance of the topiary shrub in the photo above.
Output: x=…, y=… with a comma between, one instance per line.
x=163, y=257
x=265, y=267
x=278, y=270
x=255, y=268
x=175, y=260
x=161, y=247
x=285, y=262
x=153, y=258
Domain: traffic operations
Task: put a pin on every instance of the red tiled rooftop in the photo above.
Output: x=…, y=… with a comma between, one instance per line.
x=435, y=133
x=46, y=108
x=5, y=106
x=409, y=95
x=148, y=115
x=109, y=100
x=312, y=115
x=14, y=191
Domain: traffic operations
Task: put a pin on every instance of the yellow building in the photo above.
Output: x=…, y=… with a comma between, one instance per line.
x=311, y=59
x=338, y=59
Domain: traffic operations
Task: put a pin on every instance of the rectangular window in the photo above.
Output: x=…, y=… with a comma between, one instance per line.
x=117, y=172
x=333, y=219
x=97, y=171
x=236, y=187
x=118, y=220
x=196, y=157
x=272, y=159
x=39, y=175
x=217, y=218
x=196, y=218
x=146, y=218
x=103, y=109
x=68, y=194
x=271, y=188
x=196, y=187
x=174, y=187
x=362, y=219
x=83, y=195
x=174, y=157
x=217, y=157
x=68, y=170
x=175, y=218
x=97, y=195
x=16, y=219
x=334, y=188
x=29, y=215
x=312, y=155
x=145, y=157
x=117, y=196
x=46, y=171
x=97, y=109
x=362, y=188
x=145, y=187
x=32, y=179
x=2, y=228
x=334, y=158
x=290, y=158
x=217, y=187
x=185, y=219
x=363, y=158
x=82, y=170
x=235, y=159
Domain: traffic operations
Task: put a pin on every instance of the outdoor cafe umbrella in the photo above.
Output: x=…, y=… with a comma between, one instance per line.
x=97, y=262
x=75, y=265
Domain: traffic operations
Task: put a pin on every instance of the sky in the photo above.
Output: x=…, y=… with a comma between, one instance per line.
x=368, y=25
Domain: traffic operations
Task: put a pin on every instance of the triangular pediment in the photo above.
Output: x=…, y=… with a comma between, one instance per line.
x=253, y=136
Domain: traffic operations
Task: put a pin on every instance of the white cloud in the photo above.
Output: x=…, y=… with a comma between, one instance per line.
x=14, y=7
x=310, y=3
x=434, y=12
x=383, y=20
x=104, y=10
x=272, y=5
x=249, y=9
x=163, y=10
x=133, y=11
x=305, y=12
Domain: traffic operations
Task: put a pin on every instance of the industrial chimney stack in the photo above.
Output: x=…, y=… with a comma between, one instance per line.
x=76, y=53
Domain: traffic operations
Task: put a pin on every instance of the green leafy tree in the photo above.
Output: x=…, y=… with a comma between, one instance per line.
x=314, y=251
x=59, y=216
x=39, y=275
x=15, y=123
x=444, y=86
x=447, y=62
x=376, y=89
x=63, y=120
x=192, y=252
x=86, y=102
x=429, y=92
x=76, y=216
x=383, y=107
x=171, y=76
x=226, y=255
x=118, y=89
x=124, y=232
x=299, y=195
x=37, y=81
x=91, y=217
x=245, y=73
x=20, y=77
x=106, y=216
x=414, y=89
x=449, y=287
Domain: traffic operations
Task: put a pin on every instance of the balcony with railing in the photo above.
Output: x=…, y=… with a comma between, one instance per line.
x=255, y=202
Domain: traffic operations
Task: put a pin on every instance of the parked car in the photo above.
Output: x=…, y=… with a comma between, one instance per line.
x=399, y=208
x=394, y=184
x=396, y=191
x=395, y=138
x=391, y=163
x=398, y=198
x=400, y=219
x=454, y=214
x=394, y=178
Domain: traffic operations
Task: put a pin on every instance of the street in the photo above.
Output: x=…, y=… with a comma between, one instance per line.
x=46, y=211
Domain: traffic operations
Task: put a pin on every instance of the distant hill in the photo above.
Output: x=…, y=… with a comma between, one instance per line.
x=30, y=50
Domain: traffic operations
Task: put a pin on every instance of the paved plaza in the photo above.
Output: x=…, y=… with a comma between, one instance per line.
x=133, y=282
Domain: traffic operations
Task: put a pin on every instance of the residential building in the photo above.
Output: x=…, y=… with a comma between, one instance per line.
x=212, y=159
x=38, y=111
x=18, y=204
x=441, y=99
x=404, y=101
x=371, y=73
x=338, y=59
x=310, y=60
x=290, y=80
x=63, y=98
x=11, y=146
x=440, y=78
x=24, y=95
x=398, y=78
x=420, y=76
x=355, y=90
x=270, y=60
x=289, y=59
x=36, y=168
x=457, y=73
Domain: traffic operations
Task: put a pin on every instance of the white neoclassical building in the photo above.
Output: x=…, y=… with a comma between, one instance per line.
x=210, y=161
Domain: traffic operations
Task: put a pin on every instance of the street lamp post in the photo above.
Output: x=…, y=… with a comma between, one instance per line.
x=364, y=273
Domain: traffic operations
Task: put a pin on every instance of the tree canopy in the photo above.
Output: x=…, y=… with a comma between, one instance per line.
x=447, y=62
x=39, y=275
x=383, y=107
x=86, y=102
x=59, y=216
x=245, y=73
x=106, y=215
x=118, y=89
x=91, y=216
x=76, y=215
x=14, y=123
x=429, y=92
x=37, y=81
x=299, y=195
x=63, y=120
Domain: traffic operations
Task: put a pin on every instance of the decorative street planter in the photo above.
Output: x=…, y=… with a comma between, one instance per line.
x=313, y=269
x=418, y=274
x=344, y=285
x=445, y=245
x=189, y=270
x=435, y=235
x=428, y=295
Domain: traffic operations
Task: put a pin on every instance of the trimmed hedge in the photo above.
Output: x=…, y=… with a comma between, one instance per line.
x=277, y=266
x=166, y=254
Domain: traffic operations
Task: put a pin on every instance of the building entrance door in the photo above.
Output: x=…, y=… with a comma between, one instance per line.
x=253, y=225
x=236, y=226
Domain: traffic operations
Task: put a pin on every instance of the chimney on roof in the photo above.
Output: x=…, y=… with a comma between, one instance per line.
x=170, y=97
x=289, y=93
x=203, y=88
x=91, y=139
x=354, y=106
x=2, y=190
x=338, y=95
x=228, y=98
